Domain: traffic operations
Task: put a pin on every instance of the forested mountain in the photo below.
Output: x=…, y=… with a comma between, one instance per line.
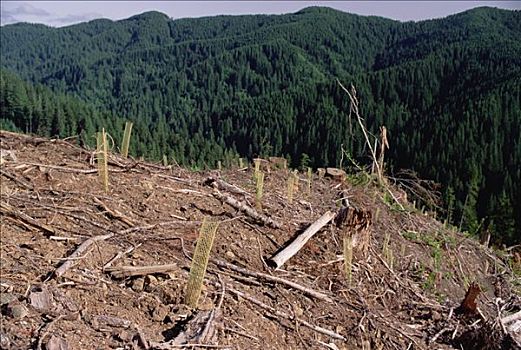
x=207, y=89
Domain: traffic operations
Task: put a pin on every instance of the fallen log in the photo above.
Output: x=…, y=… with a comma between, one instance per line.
x=223, y=185
x=246, y=209
x=284, y=255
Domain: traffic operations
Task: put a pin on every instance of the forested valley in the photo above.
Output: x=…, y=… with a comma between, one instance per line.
x=213, y=89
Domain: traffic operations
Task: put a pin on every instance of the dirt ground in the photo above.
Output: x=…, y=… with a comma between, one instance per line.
x=404, y=293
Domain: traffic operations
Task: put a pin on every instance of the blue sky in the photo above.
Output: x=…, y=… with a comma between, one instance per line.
x=61, y=13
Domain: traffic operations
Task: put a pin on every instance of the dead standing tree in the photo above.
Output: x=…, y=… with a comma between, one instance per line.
x=354, y=108
x=383, y=145
x=376, y=164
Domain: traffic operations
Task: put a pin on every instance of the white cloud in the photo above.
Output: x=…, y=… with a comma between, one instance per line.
x=76, y=18
x=12, y=12
x=23, y=9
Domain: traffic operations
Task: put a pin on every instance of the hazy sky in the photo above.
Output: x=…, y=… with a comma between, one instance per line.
x=60, y=13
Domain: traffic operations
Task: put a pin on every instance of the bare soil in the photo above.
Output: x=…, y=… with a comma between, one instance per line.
x=52, y=200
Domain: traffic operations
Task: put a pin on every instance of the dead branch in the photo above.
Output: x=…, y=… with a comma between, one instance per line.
x=64, y=169
x=208, y=331
x=201, y=329
x=73, y=258
x=240, y=278
x=114, y=213
x=395, y=199
x=142, y=338
x=127, y=271
x=112, y=321
x=59, y=238
x=437, y=335
x=185, y=191
x=241, y=333
x=73, y=170
x=354, y=107
x=21, y=182
x=284, y=255
x=154, y=166
x=47, y=330
x=261, y=218
x=426, y=191
x=159, y=224
x=286, y=316
x=259, y=275
x=9, y=210
x=173, y=178
x=119, y=255
x=400, y=280
x=167, y=346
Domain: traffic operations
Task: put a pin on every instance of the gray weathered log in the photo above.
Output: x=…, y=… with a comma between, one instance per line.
x=254, y=214
x=293, y=248
x=223, y=185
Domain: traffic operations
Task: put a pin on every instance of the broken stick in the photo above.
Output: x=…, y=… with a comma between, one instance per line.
x=73, y=259
x=119, y=255
x=254, y=214
x=113, y=213
x=284, y=255
x=259, y=275
x=21, y=182
x=127, y=271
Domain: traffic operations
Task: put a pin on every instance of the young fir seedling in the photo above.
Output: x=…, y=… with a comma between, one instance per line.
x=200, y=262
x=126, y=139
